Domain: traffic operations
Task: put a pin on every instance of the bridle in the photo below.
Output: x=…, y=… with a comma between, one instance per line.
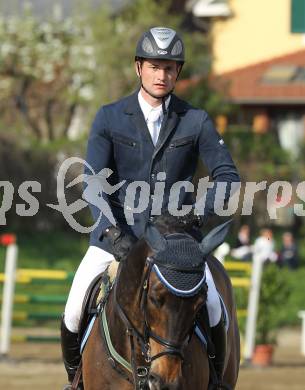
x=140, y=373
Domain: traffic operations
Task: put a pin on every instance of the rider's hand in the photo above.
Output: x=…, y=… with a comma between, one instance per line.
x=201, y=220
x=120, y=242
x=192, y=219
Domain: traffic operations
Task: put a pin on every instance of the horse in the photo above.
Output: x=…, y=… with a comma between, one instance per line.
x=144, y=337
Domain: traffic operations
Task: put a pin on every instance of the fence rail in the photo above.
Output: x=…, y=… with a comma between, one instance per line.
x=240, y=274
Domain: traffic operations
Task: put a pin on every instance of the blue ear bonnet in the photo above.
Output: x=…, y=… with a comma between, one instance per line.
x=181, y=265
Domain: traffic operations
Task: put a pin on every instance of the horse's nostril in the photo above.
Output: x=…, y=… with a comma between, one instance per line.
x=173, y=386
x=154, y=379
x=154, y=382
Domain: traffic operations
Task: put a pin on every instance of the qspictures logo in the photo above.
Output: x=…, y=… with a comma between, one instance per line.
x=138, y=196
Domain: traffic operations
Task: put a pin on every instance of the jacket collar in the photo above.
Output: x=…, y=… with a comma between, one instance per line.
x=132, y=104
x=176, y=107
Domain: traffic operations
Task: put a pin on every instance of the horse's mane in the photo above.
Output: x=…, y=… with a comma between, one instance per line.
x=168, y=223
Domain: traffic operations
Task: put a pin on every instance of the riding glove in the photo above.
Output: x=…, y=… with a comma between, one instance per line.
x=121, y=243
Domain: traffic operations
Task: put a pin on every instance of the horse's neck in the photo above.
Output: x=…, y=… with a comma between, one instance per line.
x=130, y=278
x=117, y=328
x=126, y=293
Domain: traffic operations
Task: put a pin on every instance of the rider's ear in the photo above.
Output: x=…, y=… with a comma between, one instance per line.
x=214, y=238
x=138, y=68
x=154, y=238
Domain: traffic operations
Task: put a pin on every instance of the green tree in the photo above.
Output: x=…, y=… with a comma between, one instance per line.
x=46, y=71
x=116, y=36
x=275, y=292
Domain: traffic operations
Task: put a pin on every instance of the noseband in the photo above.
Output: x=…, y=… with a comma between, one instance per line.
x=140, y=373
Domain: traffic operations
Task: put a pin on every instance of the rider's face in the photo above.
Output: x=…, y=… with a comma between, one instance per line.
x=158, y=76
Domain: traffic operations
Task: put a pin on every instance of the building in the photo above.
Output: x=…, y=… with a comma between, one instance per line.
x=259, y=60
x=256, y=31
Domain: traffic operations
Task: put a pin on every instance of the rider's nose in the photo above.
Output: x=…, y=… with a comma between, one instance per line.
x=161, y=74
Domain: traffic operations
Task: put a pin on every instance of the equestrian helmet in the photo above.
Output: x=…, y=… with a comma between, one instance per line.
x=160, y=43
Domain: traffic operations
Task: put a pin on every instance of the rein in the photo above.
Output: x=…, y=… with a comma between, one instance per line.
x=171, y=347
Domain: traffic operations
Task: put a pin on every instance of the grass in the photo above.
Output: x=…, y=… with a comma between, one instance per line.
x=54, y=250
x=64, y=250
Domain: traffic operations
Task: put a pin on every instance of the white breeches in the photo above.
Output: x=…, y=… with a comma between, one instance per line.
x=96, y=261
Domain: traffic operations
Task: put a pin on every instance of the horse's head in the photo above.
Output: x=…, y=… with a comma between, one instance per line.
x=174, y=290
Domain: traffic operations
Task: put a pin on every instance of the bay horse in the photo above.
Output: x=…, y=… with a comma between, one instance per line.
x=144, y=338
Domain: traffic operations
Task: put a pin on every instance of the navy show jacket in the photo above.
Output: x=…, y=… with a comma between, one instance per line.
x=120, y=140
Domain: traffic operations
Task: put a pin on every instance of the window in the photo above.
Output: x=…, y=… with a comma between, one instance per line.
x=210, y=8
x=298, y=16
x=284, y=73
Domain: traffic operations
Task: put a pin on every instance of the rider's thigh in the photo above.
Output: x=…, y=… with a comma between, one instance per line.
x=94, y=262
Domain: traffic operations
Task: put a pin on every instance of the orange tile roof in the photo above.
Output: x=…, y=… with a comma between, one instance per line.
x=245, y=85
x=184, y=85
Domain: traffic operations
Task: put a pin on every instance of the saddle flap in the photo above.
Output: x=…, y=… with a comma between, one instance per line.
x=94, y=294
x=89, y=304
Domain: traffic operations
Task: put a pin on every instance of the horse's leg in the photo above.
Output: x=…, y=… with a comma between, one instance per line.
x=98, y=374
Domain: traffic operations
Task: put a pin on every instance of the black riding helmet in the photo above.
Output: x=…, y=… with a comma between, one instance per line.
x=160, y=43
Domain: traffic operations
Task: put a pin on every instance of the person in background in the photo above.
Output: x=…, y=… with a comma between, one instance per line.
x=288, y=256
x=263, y=248
x=242, y=249
x=243, y=236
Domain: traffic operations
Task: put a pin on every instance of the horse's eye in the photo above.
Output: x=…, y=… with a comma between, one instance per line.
x=199, y=303
x=157, y=300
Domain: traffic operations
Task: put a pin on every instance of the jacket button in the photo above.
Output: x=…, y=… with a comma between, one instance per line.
x=151, y=218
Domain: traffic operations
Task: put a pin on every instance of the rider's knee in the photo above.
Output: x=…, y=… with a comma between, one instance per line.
x=214, y=308
x=72, y=320
x=214, y=314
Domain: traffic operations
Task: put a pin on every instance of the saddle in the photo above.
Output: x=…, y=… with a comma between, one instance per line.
x=96, y=292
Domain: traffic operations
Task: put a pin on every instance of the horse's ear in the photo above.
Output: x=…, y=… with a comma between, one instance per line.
x=214, y=238
x=154, y=238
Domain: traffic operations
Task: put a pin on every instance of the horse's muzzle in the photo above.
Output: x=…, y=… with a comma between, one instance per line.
x=155, y=382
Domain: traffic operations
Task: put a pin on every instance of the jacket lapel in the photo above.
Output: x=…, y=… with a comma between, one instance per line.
x=170, y=121
x=133, y=109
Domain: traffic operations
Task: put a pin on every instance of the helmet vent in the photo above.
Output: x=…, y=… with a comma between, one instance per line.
x=177, y=49
x=163, y=36
x=147, y=46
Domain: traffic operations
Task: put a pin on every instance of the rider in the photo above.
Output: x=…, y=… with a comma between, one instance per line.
x=155, y=137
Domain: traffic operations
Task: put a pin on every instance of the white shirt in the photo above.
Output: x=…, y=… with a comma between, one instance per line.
x=153, y=116
x=263, y=249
